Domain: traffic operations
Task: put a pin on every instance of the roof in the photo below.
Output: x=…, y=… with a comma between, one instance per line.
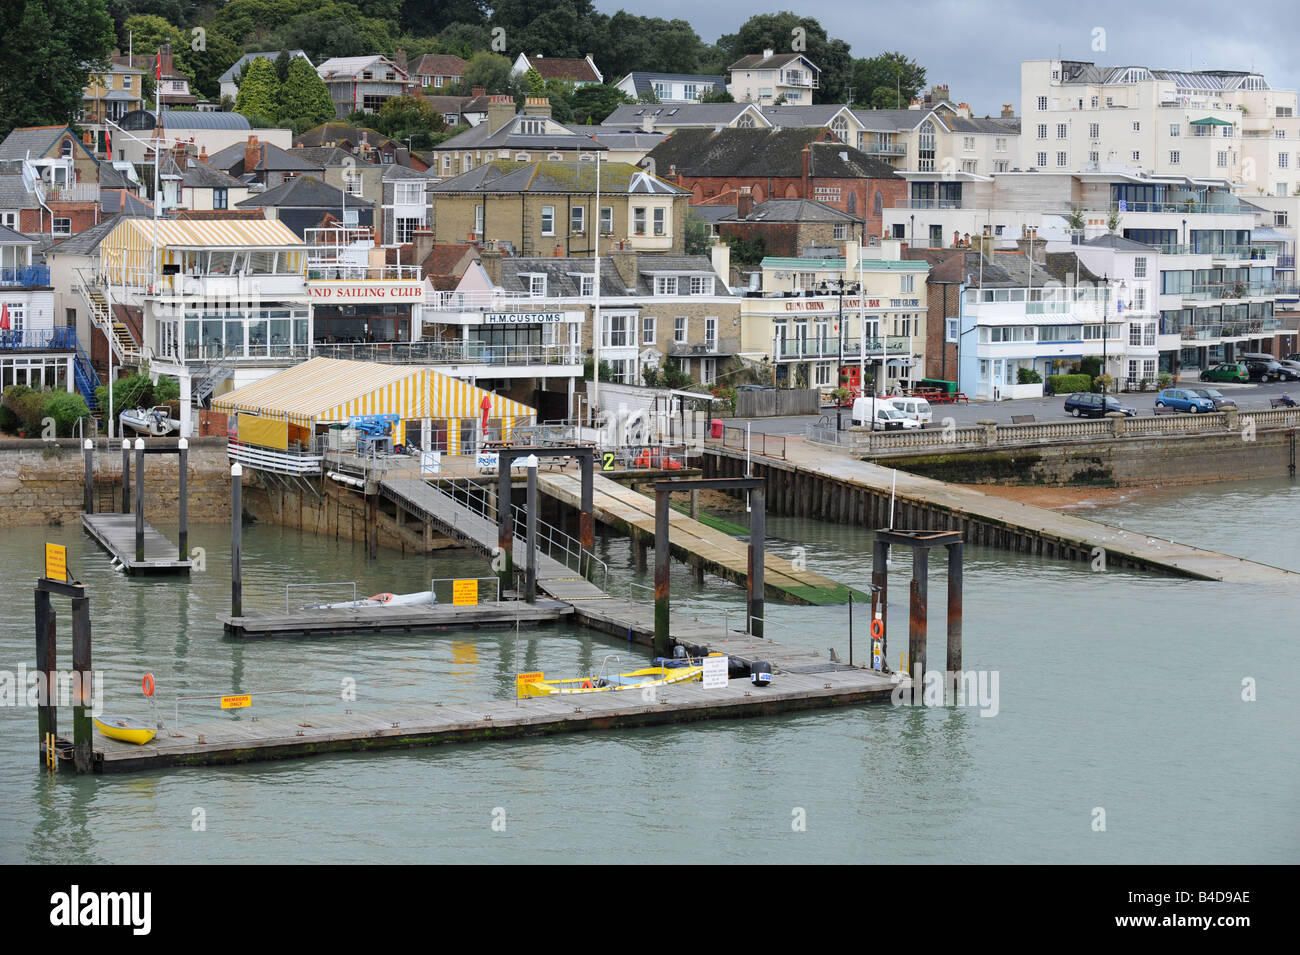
x=198, y=175
x=793, y=210
x=216, y=233
x=273, y=159
x=621, y=138
x=819, y=114
x=9, y=237
x=438, y=64
x=824, y=265
x=890, y=120
x=321, y=389
x=339, y=132
x=631, y=115
x=341, y=66
x=576, y=69
x=548, y=176
x=757, y=61
x=331, y=156
x=439, y=267
x=302, y=192
x=644, y=82
x=123, y=201
x=764, y=153
x=183, y=119
x=229, y=75
x=1085, y=72
x=564, y=275
x=1116, y=242
x=14, y=193
x=507, y=136
x=1209, y=121
x=87, y=241
x=35, y=140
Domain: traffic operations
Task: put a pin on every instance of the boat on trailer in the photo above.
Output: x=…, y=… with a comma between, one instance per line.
x=155, y=422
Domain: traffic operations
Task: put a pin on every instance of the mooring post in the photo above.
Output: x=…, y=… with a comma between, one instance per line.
x=757, y=543
x=695, y=504
x=88, y=499
x=880, y=593
x=139, y=500
x=916, y=630
x=82, y=754
x=505, y=525
x=530, y=569
x=954, y=611
x=47, y=663
x=662, y=641
x=184, y=547
x=587, y=517
x=236, y=540
x=126, y=476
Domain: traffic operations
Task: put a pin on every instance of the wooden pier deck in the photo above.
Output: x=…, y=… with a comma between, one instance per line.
x=405, y=619
x=820, y=482
x=116, y=534
x=712, y=550
x=801, y=681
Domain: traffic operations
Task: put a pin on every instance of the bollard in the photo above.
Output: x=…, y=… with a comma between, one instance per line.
x=236, y=540
x=126, y=476
x=183, y=445
x=139, y=500
x=88, y=500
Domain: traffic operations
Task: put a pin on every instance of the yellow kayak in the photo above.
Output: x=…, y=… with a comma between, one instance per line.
x=633, y=680
x=127, y=730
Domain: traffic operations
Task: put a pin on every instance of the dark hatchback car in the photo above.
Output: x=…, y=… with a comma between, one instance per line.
x=1260, y=370
x=1220, y=400
x=1083, y=404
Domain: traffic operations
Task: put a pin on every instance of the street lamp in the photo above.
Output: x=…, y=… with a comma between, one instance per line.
x=1105, y=334
x=838, y=287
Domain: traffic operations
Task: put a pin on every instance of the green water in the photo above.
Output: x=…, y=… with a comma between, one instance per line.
x=1119, y=691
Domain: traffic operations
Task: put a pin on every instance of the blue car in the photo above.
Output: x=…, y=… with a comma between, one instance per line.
x=1183, y=399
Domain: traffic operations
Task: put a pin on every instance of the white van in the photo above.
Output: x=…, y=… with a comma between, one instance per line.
x=887, y=417
x=918, y=409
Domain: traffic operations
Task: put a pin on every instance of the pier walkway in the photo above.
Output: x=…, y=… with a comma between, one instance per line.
x=116, y=534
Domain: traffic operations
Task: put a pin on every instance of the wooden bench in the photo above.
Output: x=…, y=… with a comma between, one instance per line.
x=1163, y=409
x=1279, y=403
x=1022, y=419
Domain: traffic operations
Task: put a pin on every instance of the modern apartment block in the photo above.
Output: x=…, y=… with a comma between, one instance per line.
x=1203, y=124
x=771, y=78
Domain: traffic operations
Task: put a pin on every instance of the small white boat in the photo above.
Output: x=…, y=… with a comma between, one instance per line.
x=379, y=600
x=155, y=422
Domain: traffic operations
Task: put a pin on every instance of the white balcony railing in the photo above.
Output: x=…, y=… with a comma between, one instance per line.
x=480, y=299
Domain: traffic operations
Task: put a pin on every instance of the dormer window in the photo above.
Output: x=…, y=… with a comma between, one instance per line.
x=531, y=127
x=665, y=285
x=536, y=284
x=65, y=149
x=701, y=285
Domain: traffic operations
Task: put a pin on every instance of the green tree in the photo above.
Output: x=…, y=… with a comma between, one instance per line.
x=699, y=234
x=718, y=96
x=565, y=28
x=887, y=81
x=490, y=71
x=259, y=90
x=334, y=29
x=534, y=83
x=282, y=66
x=432, y=16
x=465, y=39
x=593, y=102
x=48, y=48
x=648, y=98
x=304, y=97
x=560, y=94
x=403, y=116
x=66, y=408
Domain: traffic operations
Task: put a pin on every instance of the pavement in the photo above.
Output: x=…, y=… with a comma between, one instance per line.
x=1249, y=397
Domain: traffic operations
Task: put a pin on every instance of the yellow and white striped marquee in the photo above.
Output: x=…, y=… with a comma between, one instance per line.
x=127, y=250
x=329, y=390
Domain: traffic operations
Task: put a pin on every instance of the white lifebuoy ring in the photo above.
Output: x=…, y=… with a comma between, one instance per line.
x=382, y=598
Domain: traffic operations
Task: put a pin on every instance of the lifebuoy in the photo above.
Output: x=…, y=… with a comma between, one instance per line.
x=147, y=684
x=877, y=627
x=382, y=598
x=586, y=684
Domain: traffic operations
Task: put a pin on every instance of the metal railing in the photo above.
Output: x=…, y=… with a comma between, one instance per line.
x=455, y=352
x=39, y=339
x=477, y=299
x=330, y=269
x=794, y=349
x=26, y=276
x=756, y=442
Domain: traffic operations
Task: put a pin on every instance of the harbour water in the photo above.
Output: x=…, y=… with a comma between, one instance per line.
x=1117, y=691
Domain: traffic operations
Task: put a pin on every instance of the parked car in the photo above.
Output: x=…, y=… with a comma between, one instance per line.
x=1182, y=399
x=1220, y=400
x=1260, y=369
x=1226, y=371
x=885, y=418
x=1087, y=405
x=755, y=388
x=1292, y=366
x=918, y=409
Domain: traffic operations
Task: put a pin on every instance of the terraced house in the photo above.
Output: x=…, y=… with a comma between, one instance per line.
x=547, y=208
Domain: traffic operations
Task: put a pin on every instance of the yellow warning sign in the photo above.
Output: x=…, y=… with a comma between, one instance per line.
x=236, y=702
x=56, y=561
x=464, y=593
x=529, y=677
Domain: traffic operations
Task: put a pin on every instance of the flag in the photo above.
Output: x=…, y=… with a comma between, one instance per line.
x=4, y=317
x=108, y=144
x=157, y=67
x=486, y=406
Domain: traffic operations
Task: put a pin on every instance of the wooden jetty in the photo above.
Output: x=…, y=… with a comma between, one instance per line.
x=703, y=547
x=116, y=533
x=404, y=619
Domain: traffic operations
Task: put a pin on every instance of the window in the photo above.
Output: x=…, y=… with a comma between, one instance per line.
x=638, y=220
x=1042, y=159
x=1280, y=217
x=970, y=165
x=406, y=227
x=840, y=127
x=1174, y=157
x=711, y=332
x=689, y=91
x=708, y=370
x=1283, y=160
x=1093, y=156
x=1093, y=102
x=701, y=285
x=679, y=329
x=352, y=183
x=1062, y=130
x=537, y=286
x=660, y=221
x=531, y=127
x=478, y=220
x=9, y=219
x=951, y=334
x=1279, y=134
x=840, y=230
x=1137, y=156
x=1137, y=127
x=906, y=283
x=1139, y=303
x=1110, y=101
x=1140, y=267
x=548, y=220
x=821, y=373
x=1221, y=160
x=1094, y=130
x=647, y=330
x=665, y=285
x=65, y=149
x=1175, y=130
x=617, y=331
x=62, y=226
x=219, y=198
x=1001, y=165
x=586, y=285
x=607, y=220
x=1061, y=160
x=577, y=219
x=126, y=82
x=968, y=144
x=1042, y=103
x=1000, y=144
x=1042, y=130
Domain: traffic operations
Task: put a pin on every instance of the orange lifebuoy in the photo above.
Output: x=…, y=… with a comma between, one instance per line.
x=877, y=627
x=382, y=598
x=586, y=684
x=147, y=684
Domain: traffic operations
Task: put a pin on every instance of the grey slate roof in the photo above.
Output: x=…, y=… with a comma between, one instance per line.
x=331, y=156
x=774, y=153
x=10, y=237
x=14, y=194
x=302, y=192
x=792, y=210
x=819, y=114
x=1015, y=270
x=548, y=176
x=563, y=274
x=644, y=82
x=623, y=139
x=34, y=140
x=629, y=116
x=231, y=159
x=506, y=137
x=202, y=176
x=393, y=172
x=756, y=61
x=85, y=243
x=1116, y=242
x=890, y=120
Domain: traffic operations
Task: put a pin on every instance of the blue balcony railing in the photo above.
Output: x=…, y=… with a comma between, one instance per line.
x=28, y=276
x=39, y=339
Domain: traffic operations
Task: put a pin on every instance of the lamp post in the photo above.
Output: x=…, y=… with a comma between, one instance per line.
x=838, y=287
x=1105, y=334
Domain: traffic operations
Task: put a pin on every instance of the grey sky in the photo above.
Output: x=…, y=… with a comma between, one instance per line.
x=975, y=46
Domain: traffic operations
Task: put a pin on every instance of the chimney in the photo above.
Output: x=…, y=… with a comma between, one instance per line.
x=203, y=155
x=421, y=244
x=938, y=92
x=720, y=253
x=399, y=57
x=181, y=156
x=1008, y=111
x=963, y=109
x=537, y=106
x=914, y=104
x=501, y=109
x=478, y=91
x=647, y=123
x=252, y=152
x=806, y=157
x=744, y=202
x=625, y=263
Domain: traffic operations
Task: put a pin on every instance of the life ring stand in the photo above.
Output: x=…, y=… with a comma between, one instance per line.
x=147, y=684
x=877, y=628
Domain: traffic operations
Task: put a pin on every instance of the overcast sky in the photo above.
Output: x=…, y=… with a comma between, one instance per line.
x=975, y=46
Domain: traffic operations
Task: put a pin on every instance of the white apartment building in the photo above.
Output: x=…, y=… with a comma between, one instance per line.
x=770, y=77
x=1215, y=124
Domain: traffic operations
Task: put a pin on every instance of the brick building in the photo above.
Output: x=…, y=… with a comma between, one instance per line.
x=787, y=226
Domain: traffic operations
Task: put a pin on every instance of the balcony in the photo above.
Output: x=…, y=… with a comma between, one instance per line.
x=70, y=192
x=799, y=78
x=39, y=339
x=458, y=352
x=27, y=276
x=717, y=346
x=929, y=204
x=884, y=149
x=804, y=349
x=1176, y=208
x=327, y=270
x=488, y=299
x=1231, y=290
x=271, y=285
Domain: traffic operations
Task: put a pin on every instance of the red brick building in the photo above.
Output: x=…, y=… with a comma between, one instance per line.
x=780, y=164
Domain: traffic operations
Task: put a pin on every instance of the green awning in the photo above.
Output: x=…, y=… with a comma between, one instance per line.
x=1210, y=122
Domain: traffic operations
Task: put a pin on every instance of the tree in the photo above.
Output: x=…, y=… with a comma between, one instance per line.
x=560, y=94
x=554, y=27
x=699, y=234
x=259, y=92
x=427, y=17
x=48, y=47
x=490, y=71
x=334, y=29
x=717, y=96
x=403, y=116
x=648, y=98
x=534, y=83
x=887, y=81
x=593, y=102
x=464, y=39
x=304, y=96
x=282, y=66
